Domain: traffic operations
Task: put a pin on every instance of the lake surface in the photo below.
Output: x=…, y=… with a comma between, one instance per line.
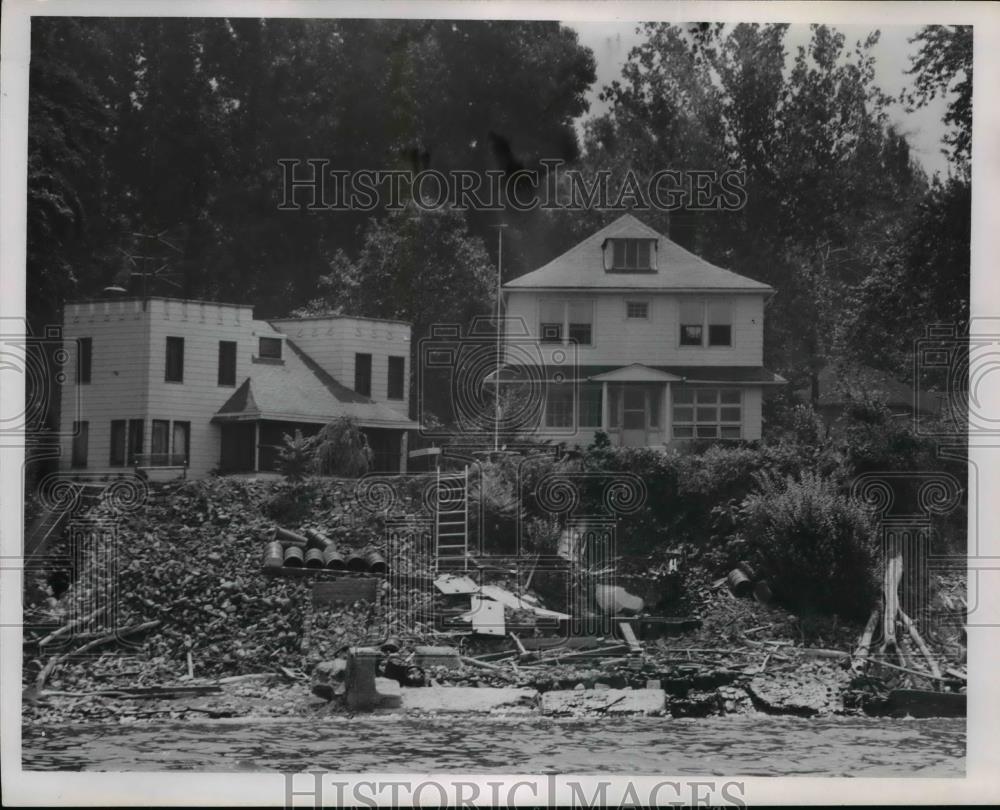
x=743, y=746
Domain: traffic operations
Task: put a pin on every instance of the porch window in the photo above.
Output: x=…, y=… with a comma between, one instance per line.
x=590, y=405
x=559, y=405
x=81, y=437
x=118, y=435
x=136, y=429
x=182, y=442
x=707, y=413
x=161, y=442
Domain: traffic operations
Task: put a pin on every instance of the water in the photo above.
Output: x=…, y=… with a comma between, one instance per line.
x=740, y=746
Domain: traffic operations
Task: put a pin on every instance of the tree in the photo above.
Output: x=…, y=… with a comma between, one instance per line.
x=342, y=449
x=943, y=65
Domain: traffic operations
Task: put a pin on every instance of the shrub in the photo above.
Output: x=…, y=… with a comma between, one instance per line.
x=817, y=547
x=296, y=456
x=342, y=449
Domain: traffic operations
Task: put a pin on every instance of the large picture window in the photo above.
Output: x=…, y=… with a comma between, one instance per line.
x=707, y=413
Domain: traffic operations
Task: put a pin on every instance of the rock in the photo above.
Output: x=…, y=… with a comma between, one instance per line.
x=579, y=687
x=468, y=699
x=328, y=678
x=604, y=701
x=389, y=694
x=598, y=685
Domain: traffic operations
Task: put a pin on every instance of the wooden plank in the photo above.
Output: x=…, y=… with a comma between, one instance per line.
x=629, y=635
x=487, y=617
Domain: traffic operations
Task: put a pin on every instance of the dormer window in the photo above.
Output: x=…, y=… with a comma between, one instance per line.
x=630, y=255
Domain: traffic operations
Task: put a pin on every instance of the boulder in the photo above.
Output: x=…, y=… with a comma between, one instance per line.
x=328, y=678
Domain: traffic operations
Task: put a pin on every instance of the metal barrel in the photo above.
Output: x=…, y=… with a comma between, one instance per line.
x=317, y=539
x=274, y=555
x=739, y=583
x=376, y=562
x=333, y=559
x=289, y=538
x=294, y=557
x=357, y=562
x=314, y=558
x=747, y=569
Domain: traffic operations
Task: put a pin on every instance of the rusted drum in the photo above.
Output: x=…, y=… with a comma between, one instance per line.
x=739, y=583
x=314, y=558
x=294, y=557
x=376, y=562
x=274, y=555
x=357, y=562
x=317, y=540
x=289, y=538
x=747, y=569
x=333, y=559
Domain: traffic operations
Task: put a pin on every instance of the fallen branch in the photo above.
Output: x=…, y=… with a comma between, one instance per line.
x=69, y=628
x=473, y=662
x=128, y=631
x=919, y=641
x=865, y=642
x=921, y=674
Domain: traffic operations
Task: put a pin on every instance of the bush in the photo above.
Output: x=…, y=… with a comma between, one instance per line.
x=342, y=449
x=817, y=547
x=296, y=456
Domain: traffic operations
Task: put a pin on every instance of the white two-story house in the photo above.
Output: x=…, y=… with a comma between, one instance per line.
x=640, y=338
x=202, y=385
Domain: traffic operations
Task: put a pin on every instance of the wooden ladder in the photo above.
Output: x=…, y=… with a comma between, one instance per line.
x=451, y=521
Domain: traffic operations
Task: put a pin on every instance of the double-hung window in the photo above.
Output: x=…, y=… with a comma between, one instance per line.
x=572, y=319
x=706, y=323
x=559, y=405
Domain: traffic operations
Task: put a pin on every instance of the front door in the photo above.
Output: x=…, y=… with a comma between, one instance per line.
x=634, y=416
x=238, y=441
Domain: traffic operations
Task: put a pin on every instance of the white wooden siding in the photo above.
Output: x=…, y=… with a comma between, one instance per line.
x=655, y=340
x=334, y=342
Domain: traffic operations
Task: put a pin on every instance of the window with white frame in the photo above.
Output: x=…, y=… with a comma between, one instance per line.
x=559, y=320
x=559, y=405
x=631, y=255
x=706, y=323
x=707, y=413
x=636, y=309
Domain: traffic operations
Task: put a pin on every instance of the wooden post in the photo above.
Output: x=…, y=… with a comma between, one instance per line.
x=360, y=687
x=256, y=446
x=404, y=443
x=605, y=413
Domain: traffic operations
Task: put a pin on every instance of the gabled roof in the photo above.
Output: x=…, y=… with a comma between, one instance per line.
x=636, y=373
x=296, y=389
x=582, y=267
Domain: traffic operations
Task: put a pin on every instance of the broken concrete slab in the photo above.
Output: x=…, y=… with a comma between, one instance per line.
x=468, y=699
x=427, y=656
x=604, y=701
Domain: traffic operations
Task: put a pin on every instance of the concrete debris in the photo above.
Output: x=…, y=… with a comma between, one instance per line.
x=604, y=701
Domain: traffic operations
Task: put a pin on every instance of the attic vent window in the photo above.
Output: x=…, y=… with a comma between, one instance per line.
x=269, y=348
x=631, y=255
